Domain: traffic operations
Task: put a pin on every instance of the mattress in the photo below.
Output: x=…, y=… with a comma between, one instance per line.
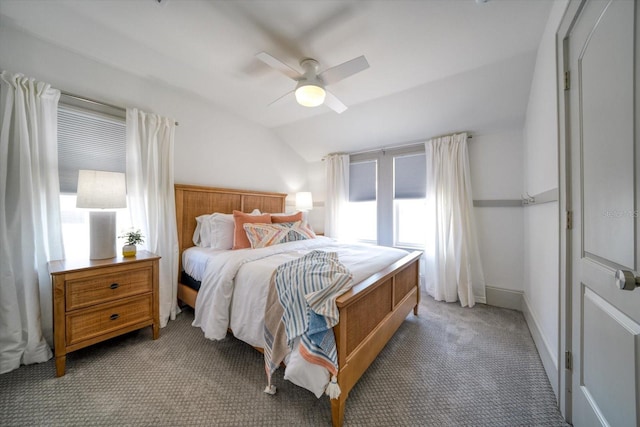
x=185, y=279
x=195, y=260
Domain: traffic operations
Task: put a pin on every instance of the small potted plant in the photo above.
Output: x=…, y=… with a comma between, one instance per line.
x=133, y=238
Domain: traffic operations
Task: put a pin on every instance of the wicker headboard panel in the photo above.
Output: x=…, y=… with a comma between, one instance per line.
x=193, y=201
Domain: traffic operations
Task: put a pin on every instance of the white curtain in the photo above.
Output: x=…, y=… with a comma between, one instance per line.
x=151, y=197
x=337, y=178
x=453, y=268
x=30, y=230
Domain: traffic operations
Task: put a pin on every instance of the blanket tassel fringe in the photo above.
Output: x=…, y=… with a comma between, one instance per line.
x=270, y=388
x=333, y=389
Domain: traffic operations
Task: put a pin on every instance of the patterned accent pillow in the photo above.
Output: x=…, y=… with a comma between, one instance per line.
x=263, y=235
x=240, y=240
x=304, y=226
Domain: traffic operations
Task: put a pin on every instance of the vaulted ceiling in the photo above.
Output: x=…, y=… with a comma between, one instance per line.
x=436, y=66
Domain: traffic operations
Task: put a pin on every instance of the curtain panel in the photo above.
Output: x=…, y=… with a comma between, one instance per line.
x=30, y=228
x=151, y=197
x=337, y=178
x=453, y=268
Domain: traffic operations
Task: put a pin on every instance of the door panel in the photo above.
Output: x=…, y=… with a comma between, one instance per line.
x=609, y=357
x=605, y=78
x=605, y=320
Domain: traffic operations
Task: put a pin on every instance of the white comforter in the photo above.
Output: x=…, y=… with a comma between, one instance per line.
x=235, y=284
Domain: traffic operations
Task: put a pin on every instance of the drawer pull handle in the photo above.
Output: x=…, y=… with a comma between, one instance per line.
x=114, y=316
x=114, y=286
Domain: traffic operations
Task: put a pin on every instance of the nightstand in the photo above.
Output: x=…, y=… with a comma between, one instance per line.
x=94, y=300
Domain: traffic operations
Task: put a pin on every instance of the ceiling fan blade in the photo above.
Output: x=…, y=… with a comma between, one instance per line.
x=278, y=100
x=278, y=65
x=344, y=70
x=334, y=103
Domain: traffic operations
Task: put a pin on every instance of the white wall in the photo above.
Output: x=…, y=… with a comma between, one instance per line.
x=212, y=147
x=541, y=231
x=316, y=179
x=495, y=160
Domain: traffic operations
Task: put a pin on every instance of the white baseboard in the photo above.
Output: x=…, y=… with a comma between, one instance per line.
x=549, y=360
x=505, y=298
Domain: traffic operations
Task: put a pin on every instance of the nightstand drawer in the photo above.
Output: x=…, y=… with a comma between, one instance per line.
x=86, y=291
x=82, y=325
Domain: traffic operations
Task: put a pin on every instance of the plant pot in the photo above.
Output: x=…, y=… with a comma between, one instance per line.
x=129, y=250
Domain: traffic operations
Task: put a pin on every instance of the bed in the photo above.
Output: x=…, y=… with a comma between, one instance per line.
x=370, y=312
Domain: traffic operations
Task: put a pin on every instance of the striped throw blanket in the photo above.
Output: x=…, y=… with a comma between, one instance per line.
x=302, y=303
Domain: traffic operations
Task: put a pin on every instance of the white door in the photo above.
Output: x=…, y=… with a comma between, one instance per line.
x=604, y=160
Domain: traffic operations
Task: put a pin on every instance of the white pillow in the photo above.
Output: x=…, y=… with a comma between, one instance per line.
x=221, y=227
x=196, y=233
x=215, y=230
x=199, y=232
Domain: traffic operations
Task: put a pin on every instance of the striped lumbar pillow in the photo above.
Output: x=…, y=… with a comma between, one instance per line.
x=263, y=235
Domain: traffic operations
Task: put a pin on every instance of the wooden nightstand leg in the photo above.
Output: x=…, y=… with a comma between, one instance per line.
x=60, y=365
x=156, y=330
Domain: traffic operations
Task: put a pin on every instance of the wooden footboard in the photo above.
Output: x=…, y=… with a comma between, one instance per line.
x=370, y=313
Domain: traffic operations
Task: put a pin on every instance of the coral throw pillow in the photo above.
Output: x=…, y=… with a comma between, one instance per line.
x=279, y=219
x=240, y=240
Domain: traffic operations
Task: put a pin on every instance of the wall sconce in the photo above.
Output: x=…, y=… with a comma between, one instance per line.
x=101, y=190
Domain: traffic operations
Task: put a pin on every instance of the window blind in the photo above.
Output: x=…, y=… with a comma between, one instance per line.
x=410, y=176
x=362, y=181
x=88, y=140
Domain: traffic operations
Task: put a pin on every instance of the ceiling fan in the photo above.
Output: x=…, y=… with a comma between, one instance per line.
x=310, y=90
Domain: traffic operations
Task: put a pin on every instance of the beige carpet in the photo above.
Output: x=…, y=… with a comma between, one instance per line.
x=447, y=367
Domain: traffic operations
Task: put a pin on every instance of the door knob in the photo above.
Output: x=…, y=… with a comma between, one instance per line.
x=627, y=280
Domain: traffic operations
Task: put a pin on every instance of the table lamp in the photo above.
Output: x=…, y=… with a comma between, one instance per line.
x=304, y=201
x=104, y=191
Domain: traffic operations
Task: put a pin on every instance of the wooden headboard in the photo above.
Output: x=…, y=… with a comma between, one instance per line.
x=193, y=201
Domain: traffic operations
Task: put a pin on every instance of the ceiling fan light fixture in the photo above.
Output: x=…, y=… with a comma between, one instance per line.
x=310, y=95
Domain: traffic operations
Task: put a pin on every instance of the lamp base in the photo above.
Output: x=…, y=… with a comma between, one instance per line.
x=102, y=229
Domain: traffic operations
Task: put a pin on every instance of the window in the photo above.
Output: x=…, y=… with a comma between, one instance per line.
x=409, y=204
x=90, y=136
x=410, y=224
x=362, y=210
x=387, y=197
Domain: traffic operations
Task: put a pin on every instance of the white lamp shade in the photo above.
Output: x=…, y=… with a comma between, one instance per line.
x=304, y=201
x=310, y=95
x=101, y=190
